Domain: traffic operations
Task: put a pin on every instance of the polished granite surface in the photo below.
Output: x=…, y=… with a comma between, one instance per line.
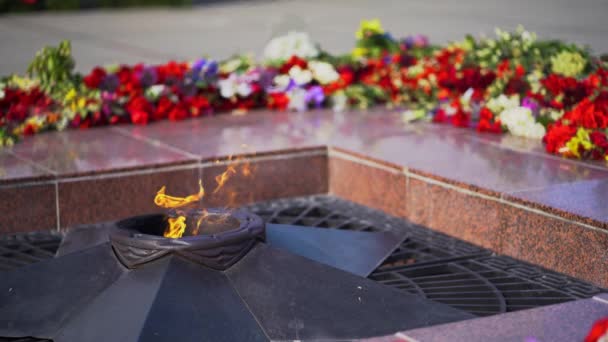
x=505, y=166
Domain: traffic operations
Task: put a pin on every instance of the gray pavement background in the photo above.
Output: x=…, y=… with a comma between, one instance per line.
x=221, y=29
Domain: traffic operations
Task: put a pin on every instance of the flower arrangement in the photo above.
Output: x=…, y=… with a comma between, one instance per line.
x=512, y=83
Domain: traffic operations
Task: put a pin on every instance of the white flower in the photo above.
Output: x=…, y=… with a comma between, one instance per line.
x=323, y=72
x=520, y=122
x=230, y=65
x=234, y=85
x=503, y=102
x=244, y=89
x=291, y=44
x=300, y=76
x=155, y=91
x=339, y=101
x=297, y=99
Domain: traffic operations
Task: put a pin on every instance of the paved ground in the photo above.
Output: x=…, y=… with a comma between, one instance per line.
x=154, y=35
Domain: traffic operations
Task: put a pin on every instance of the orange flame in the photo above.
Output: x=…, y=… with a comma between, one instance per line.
x=176, y=228
x=169, y=202
x=224, y=177
x=202, y=216
x=177, y=225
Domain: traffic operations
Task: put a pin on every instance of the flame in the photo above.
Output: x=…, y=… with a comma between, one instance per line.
x=176, y=228
x=200, y=219
x=169, y=202
x=224, y=177
x=177, y=225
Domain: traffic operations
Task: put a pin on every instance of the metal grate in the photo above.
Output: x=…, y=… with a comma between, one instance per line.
x=18, y=250
x=23, y=339
x=427, y=263
x=434, y=265
x=421, y=246
x=475, y=286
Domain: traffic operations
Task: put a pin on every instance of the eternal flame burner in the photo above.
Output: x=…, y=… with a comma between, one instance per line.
x=224, y=238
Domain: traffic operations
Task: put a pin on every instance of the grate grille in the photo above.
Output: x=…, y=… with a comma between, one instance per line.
x=18, y=250
x=474, y=286
x=427, y=263
x=420, y=247
x=23, y=339
x=434, y=265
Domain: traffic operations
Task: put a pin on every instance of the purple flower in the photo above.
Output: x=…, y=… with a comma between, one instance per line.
x=315, y=95
x=198, y=65
x=530, y=104
x=211, y=69
x=147, y=77
x=267, y=78
x=204, y=69
x=110, y=83
x=417, y=40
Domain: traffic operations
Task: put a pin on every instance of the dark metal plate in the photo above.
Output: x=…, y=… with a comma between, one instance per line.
x=296, y=298
x=352, y=251
x=57, y=288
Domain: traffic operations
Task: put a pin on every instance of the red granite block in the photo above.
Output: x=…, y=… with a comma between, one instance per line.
x=554, y=243
x=112, y=197
x=16, y=170
x=269, y=178
x=562, y=322
x=583, y=201
x=28, y=208
x=378, y=187
x=80, y=152
x=456, y=213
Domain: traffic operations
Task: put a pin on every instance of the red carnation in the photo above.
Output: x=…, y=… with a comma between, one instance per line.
x=293, y=61
x=557, y=136
x=198, y=105
x=586, y=114
x=139, y=109
x=94, y=79
x=278, y=101
x=179, y=112
x=599, y=139
x=598, y=330
x=487, y=122
x=460, y=119
x=163, y=107
x=440, y=116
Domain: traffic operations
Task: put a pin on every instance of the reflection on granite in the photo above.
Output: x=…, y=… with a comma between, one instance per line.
x=563, y=322
x=584, y=200
x=226, y=134
x=492, y=164
x=80, y=152
x=15, y=169
x=436, y=149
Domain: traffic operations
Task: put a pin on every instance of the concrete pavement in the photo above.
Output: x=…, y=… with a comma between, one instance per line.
x=221, y=29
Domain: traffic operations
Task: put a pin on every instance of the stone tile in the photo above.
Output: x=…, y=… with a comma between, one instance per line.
x=13, y=169
x=467, y=217
x=380, y=188
x=97, y=199
x=583, y=201
x=222, y=135
x=530, y=146
x=79, y=152
x=384, y=339
x=269, y=178
x=451, y=154
x=556, y=244
x=28, y=208
x=562, y=322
